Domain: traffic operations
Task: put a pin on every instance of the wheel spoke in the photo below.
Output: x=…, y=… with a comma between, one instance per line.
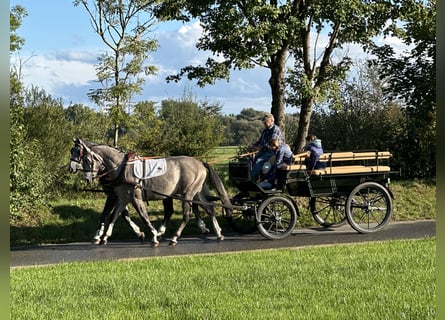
x=368, y=207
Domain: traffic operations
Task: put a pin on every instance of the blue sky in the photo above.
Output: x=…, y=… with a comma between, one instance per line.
x=61, y=50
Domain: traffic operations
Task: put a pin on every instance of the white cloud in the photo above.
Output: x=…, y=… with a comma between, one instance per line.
x=50, y=71
x=188, y=35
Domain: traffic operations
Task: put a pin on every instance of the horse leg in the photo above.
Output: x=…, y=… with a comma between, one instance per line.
x=120, y=205
x=109, y=205
x=186, y=211
x=202, y=197
x=168, y=212
x=133, y=226
x=139, y=205
x=199, y=221
x=211, y=212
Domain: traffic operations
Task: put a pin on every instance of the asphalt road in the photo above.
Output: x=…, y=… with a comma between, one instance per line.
x=62, y=253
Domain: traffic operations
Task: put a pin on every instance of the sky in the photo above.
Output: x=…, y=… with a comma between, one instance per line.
x=61, y=50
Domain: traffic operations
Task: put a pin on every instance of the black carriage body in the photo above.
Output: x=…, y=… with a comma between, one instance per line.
x=357, y=193
x=302, y=184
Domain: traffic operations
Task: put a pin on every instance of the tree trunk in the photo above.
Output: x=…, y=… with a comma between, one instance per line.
x=277, y=67
x=303, y=124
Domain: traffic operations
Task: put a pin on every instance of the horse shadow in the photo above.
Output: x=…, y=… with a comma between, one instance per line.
x=71, y=224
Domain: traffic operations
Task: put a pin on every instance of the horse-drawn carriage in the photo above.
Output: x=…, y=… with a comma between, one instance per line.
x=354, y=187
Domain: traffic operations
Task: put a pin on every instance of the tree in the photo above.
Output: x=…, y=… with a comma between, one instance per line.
x=123, y=25
x=16, y=16
x=316, y=75
x=241, y=35
x=412, y=79
x=189, y=128
x=87, y=123
x=249, y=33
x=144, y=130
x=367, y=119
x=26, y=178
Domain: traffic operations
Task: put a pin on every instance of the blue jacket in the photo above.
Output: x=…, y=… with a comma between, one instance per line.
x=316, y=151
x=284, y=155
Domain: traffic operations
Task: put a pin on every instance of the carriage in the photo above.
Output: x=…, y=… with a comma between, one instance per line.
x=353, y=188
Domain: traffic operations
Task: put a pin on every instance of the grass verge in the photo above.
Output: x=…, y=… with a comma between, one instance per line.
x=390, y=280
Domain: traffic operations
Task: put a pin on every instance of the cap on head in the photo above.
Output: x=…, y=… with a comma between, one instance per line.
x=268, y=116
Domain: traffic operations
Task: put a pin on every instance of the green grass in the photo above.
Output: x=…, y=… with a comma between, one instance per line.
x=390, y=280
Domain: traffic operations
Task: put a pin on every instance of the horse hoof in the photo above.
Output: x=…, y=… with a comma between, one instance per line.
x=95, y=241
x=103, y=242
x=154, y=244
x=142, y=237
x=173, y=243
x=219, y=239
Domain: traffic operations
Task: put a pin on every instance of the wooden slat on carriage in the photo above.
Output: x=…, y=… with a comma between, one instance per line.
x=343, y=171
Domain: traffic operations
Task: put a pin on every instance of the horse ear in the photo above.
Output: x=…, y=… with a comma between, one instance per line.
x=76, y=140
x=84, y=146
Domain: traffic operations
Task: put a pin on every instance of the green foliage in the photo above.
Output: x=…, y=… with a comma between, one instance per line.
x=46, y=124
x=412, y=79
x=26, y=170
x=143, y=130
x=189, y=128
x=16, y=16
x=87, y=123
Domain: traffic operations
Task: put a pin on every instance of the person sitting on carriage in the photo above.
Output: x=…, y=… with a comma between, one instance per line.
x=271, y=130
x=282, y=157
x=313, y=145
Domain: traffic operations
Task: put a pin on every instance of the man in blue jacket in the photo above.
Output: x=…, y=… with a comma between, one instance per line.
x=270, y=131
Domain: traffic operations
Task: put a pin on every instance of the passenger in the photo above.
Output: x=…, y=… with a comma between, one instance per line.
x=313, y=145
x=283, y=157
x=271, y=130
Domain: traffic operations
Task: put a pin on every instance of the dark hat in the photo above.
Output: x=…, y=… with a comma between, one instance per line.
x=268, y=116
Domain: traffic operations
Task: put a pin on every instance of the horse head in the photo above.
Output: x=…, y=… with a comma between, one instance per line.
x=76, y=157
x=83, y=158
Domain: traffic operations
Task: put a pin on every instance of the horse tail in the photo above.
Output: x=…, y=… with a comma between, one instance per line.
x=216, y=181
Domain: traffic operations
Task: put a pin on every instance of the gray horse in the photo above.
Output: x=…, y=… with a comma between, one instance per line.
x=111, y=201
x=184, y=178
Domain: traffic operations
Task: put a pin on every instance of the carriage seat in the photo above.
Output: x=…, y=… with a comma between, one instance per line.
x=345, y=156
x=332, y=157
x=350, y=169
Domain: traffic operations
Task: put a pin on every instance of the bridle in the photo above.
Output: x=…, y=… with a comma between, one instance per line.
x=90, y=156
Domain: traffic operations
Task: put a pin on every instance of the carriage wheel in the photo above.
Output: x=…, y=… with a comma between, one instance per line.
x=368, y=207
x=243, y=221
x=329, y=212
x=276, y=217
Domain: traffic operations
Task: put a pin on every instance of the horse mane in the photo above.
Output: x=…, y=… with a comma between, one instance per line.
x=90, y=144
